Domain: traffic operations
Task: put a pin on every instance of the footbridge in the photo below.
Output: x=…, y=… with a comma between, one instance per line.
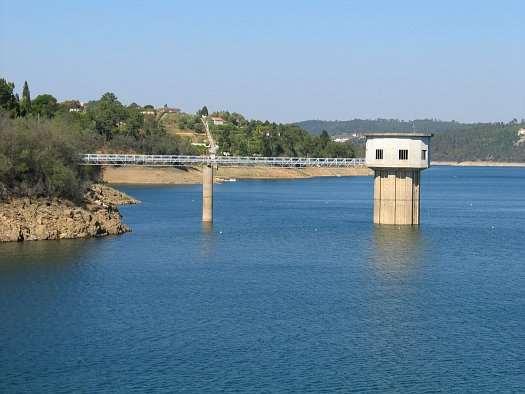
x=228, y=161
x=212, y=161
x=396, y=158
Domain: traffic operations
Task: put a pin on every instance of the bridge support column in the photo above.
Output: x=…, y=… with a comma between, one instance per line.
x=207, y=193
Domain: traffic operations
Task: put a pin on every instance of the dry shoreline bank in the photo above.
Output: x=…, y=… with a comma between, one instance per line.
x=193, y=175
x=478, y=164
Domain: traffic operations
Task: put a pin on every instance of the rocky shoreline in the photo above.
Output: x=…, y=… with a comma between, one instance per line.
x=31, y=219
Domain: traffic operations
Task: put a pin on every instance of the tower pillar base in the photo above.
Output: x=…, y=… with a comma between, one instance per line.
x=396, y=196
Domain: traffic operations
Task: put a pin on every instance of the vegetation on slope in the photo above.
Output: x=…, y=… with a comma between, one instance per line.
x=334, y=127
x=42, y=139
x=40, y=158
x=490, y=142
x=239, y=136
x=453, y=141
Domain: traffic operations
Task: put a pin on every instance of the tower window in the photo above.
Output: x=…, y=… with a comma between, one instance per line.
x=403, y=154
x=423, y=154
x=379, y=154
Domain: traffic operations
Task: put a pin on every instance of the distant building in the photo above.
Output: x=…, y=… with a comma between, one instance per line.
x=169, y=109
x=217, y=120
x=521, y=133
x=148, y=112
x=74, y=105
x=341, y=140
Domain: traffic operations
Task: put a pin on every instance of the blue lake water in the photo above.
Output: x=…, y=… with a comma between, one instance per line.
x=293, y=289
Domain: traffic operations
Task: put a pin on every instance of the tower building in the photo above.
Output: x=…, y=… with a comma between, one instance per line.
x=397, y=160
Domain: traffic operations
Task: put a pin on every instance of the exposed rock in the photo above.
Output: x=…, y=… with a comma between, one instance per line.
x=28, y=219
x=108, y=195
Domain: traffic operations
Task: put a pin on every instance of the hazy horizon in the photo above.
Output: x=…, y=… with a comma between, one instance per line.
x=273, y=61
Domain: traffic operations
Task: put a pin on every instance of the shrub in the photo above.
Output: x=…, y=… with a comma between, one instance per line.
x=40, y=158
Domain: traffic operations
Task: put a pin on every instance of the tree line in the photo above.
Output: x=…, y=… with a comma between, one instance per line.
x=453, y=141
x=334, y=127
x=241, y=137
x=485, y=142
x=42, y=140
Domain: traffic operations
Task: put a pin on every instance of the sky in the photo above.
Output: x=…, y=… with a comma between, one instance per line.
x=281, y=60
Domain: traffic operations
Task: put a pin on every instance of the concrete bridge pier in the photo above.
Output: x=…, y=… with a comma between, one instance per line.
x=207, y=193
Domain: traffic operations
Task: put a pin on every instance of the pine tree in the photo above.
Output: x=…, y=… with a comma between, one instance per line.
x=25, y=103
x=203, y=111
x=324, y=139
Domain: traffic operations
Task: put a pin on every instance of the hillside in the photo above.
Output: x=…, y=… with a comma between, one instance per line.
x=172, y=125
x=364, y=125
x=453, y=141
x=488, y=142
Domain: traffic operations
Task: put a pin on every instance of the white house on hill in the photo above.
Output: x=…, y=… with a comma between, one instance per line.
x=217, y=120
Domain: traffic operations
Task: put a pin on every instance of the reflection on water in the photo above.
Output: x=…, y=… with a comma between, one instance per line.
x=396, y=249
x=207, y=227
x=209, y=239
x=17, y=256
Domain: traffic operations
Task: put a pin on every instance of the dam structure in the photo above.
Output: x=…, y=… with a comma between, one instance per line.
x=397, y=160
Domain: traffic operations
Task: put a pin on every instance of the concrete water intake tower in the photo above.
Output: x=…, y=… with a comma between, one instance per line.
x=397, y=160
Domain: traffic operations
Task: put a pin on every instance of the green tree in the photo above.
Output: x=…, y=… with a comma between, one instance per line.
x=203, y=111
x=25, y=102
x=40, y=158
x=8, y=100
x=108, y=115
x=152, y=127
x=45, y=105
x=134, y=121
x=324, y=139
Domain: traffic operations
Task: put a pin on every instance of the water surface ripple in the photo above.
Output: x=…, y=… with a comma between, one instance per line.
x=293, y=289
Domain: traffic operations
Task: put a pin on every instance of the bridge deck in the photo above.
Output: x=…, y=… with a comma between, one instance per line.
x=229, y=161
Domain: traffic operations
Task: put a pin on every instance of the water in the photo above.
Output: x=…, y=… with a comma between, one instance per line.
x=293, y=289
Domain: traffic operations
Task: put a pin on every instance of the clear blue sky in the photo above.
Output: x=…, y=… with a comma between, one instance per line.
x=285, y=60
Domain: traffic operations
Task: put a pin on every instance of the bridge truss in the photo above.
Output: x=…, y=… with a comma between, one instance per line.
x=227, y=161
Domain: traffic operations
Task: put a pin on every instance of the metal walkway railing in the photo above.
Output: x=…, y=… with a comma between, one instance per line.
x=229, y=161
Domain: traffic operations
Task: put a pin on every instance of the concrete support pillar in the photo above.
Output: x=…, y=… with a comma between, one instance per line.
x=207, y=193
x=396, y=196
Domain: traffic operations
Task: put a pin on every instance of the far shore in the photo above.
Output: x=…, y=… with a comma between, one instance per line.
x=193, y=175
x=478, y=164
